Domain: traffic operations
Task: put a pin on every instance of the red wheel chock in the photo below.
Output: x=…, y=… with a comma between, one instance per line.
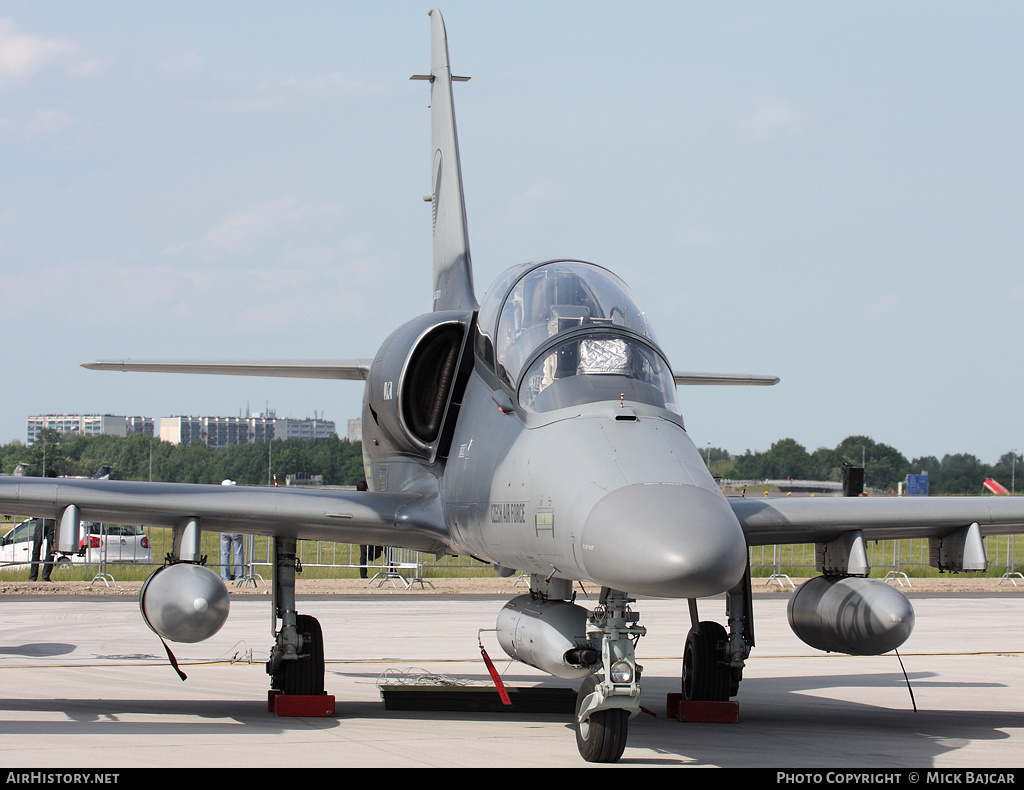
x=319, y=705
x=699, y=711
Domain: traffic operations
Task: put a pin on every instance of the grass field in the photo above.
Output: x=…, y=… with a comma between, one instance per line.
x=322, y=560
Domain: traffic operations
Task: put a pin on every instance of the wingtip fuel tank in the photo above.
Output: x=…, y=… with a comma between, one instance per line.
x=184, y=602
x=858, y=616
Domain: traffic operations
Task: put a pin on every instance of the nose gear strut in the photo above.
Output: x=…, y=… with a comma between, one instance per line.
x=604, y=706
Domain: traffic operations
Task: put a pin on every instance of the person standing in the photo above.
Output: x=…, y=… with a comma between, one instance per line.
x=231, y=555
x=45, y=532
x=367, y=554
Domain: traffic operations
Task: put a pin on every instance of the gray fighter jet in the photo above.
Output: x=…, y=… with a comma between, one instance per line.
x=537, y=430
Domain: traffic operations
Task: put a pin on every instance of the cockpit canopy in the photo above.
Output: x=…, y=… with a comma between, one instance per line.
x=576, y=324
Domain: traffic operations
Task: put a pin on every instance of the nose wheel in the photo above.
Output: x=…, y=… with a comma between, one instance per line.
x=601, y=737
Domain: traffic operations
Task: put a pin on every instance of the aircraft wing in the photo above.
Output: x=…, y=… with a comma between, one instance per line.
x=343, y=369
x=821, y=519
x=410, y=521
x=734, y=379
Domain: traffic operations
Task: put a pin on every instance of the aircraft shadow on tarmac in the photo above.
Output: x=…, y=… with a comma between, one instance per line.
x=782, y=721
x=96, y=717
x=37, y=649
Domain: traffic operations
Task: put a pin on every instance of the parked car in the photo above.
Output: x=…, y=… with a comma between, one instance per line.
x=16, y=545
x=112, y=542
x=115, y=543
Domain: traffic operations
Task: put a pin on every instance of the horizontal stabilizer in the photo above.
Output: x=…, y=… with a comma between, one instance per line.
x=343, y=369
x=729, y=379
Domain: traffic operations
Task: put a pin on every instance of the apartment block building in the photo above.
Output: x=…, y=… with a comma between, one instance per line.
x=214, y=431
x=88, y=425
x=226, y=431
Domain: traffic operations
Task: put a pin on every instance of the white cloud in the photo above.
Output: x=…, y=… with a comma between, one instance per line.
x=771, y=119
x=532, y=204
x=1017, y=293
x=697, y=238
x=254, y=227
x=275, y=97
x=23, y=55
x=187, y=64
x=885, y=304
x=331, y=85
x=47, y=123
x=268, y=281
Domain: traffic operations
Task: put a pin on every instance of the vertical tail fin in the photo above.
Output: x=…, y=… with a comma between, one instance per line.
x=453, y=268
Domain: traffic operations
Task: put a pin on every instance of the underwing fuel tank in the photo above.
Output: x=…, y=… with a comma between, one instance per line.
x=858, y=616
x=550, y=635
x=184, y=602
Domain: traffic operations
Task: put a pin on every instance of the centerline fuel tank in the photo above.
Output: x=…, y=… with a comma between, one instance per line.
x=550, y=635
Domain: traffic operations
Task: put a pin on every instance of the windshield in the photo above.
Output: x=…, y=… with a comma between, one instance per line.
x=555, y=298
x=588, y=367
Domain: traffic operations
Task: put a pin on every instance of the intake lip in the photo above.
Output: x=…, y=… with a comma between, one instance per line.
x=664, y=540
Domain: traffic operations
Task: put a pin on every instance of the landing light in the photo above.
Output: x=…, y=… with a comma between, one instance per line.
x=621, y=673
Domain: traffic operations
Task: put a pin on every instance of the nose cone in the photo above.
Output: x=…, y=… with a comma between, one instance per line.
x=665, y=540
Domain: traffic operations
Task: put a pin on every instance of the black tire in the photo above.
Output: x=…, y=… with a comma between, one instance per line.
x=706, y=676
x=602, y=737
x=305, y=675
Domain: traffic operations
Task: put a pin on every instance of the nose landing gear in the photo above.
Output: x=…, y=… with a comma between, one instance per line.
x=605, y=705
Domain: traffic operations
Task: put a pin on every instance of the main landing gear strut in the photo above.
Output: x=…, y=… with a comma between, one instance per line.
x=296, y=664
x=713, y=659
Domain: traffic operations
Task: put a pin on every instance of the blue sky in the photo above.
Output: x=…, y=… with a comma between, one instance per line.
x=832, y=193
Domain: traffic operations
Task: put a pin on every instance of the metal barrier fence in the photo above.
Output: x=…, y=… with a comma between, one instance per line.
x=772, y=563
x=390, y=565
x=777, y=563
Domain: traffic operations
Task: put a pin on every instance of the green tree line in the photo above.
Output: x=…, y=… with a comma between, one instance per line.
x=138, y=457
x=884, y=466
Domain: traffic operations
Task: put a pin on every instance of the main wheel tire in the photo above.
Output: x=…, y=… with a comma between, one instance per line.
x=305, y=675
x=602, y=737
x=706, y=676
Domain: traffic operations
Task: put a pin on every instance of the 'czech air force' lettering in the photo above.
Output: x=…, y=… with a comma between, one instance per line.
x=508, y=512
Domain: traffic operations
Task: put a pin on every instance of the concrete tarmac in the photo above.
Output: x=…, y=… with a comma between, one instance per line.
x=85, y=684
